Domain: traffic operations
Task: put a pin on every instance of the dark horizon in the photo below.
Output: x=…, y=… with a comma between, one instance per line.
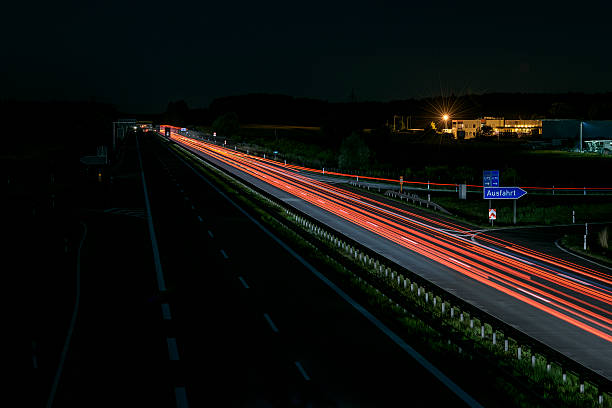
x=140, y=56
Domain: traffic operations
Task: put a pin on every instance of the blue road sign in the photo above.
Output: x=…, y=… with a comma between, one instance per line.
x=490, y=178
x=503, y=193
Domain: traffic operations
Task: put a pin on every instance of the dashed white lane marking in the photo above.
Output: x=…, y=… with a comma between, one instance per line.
x=34, y=359
x=211, y=234
x=302, y=371
x=459, y=262
x=409, y=240
x=271, y=323
x=181, y=397
x=200, y=218
x=574, y=279
x=172, y=349
x=166, y=311
x=224, y=254
x=458, y=391
x=534, y=295
x=243, y=282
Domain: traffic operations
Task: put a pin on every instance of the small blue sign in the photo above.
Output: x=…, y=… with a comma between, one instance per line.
x=503, y=193
x=490, y=178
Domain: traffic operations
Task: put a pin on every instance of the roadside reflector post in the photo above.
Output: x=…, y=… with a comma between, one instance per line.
x=452, y=312
x=471, y=323
x=494, y=337
x=533, y=361
x=573, y=216
x=482, y=331
x=518, y=352
x=548, y=367
x=564, y=377
x=506, y=345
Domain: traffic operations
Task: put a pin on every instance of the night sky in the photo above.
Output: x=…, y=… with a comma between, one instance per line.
x=141, y=55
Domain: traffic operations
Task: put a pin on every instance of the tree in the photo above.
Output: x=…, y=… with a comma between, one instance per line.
x=486, y=130
x=226, y=124
x=176, y=113
x=354, y=153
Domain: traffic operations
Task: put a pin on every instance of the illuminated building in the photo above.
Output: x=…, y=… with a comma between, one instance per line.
x=491, y=126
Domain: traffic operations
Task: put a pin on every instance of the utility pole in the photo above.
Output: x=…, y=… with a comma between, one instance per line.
x=580, y=136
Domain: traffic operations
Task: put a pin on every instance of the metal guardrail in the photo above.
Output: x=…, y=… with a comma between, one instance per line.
x=567, y=364
x=408, y=197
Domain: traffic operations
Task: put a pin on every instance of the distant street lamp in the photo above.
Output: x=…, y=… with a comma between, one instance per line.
x=445, y=118
x=580, y=147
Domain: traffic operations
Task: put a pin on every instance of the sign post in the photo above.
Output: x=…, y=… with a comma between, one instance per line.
x=492, y=215
x=492, y=191
x=401, y=183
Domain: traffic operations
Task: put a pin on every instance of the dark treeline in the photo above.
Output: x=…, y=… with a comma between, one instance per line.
x=77, y=126
x=43, y=138
x=283, y=109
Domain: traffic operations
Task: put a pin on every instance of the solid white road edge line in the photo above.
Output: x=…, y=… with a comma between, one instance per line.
x=450, y=384
x=581, y=257
x=161, y=283
x=75, y=312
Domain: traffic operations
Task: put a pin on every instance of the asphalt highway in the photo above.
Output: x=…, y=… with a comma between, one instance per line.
x=564, y=304
x=252, y=325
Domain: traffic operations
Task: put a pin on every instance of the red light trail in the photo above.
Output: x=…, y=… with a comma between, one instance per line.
x=576, y=294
